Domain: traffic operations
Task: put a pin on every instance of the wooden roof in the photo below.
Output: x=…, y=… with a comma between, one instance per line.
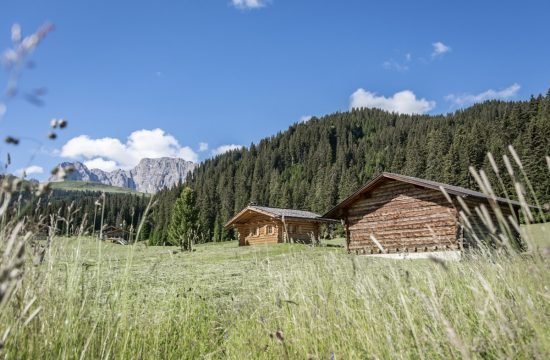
x=429, y=184
x=114, y=229
x=276, y=213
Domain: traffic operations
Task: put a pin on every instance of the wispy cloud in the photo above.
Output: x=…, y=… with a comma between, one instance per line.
x=249, y=4
x=225, y=148
x=439, y=49
x=403, y=102
x=30, y=170
x=305, y=118
x=108, y=153
x=467, y=99
x=405, y=63
x=391, y=64
x=398, y=65
x=203, y=146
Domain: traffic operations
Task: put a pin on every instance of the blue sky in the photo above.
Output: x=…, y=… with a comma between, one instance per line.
x=155, y=78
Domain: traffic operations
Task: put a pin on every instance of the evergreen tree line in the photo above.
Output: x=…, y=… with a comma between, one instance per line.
x=75, y=211
x=315, y=165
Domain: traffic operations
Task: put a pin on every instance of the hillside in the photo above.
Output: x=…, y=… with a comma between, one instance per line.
x=314, y=165
x=73, y=185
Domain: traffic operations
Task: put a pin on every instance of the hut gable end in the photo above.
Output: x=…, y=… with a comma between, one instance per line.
x=397, y=213
x=400, y=217
x=265, y=225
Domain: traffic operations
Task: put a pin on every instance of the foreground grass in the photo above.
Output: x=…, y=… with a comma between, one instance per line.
x=99, y=300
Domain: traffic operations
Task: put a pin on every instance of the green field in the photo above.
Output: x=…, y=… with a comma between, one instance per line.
x=539, y=234
x=100, y=300
x=69, y=185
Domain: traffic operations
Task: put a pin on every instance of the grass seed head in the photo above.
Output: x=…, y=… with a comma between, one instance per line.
x=11, y=140
x=280, y=336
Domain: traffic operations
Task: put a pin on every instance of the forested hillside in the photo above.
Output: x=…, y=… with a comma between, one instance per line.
x=316, y=164
x=74, y=211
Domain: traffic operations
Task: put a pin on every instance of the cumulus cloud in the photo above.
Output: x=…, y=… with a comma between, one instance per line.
x=203, y=146
x=403, y=102
x=99, y=163
x=105, y=152
x=305, y=118
x=439, y=49
x=225, y=148
x=30, y=170
x=467, y=99
x=248, y=4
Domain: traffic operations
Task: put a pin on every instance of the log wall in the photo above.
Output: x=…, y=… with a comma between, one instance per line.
x=403, y=218
x=302, y=231
x=478, y=229
x=297, y=231
x=248, y=237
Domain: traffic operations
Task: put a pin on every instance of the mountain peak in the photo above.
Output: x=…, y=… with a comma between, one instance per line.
x=149, y=175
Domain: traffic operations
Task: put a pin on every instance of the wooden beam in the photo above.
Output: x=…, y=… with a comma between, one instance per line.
x=346, y=227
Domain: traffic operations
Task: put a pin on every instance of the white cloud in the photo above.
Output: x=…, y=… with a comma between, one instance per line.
x=403, y=102
x=140, y=144
x=248, y=4
x=391, y=64
x=466, y=99
x=440, y=49
x=225, y=148
x=3, y=110
x=102, y=164
x=203, y=146
x=398, y=65
x=305, y=118
x=30, y=170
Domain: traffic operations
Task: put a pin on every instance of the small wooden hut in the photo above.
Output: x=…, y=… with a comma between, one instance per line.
x=267, y=225
x=402, y=214
x=116, y=234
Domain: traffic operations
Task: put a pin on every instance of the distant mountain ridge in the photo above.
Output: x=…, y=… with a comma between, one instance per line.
x=149, y=176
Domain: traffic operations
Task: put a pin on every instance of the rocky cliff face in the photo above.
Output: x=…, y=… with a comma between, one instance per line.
x=150, y=175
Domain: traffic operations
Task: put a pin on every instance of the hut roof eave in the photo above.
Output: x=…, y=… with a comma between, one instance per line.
x=429, y=184
x=280, y=213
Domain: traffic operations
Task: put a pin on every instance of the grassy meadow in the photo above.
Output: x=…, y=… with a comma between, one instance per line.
x=93, y=300
x=68, y=185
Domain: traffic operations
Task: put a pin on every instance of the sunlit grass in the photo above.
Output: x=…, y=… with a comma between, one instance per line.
x=277, y=301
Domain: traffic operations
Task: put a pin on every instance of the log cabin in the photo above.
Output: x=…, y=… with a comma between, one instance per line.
x=402, y=214
x=266, y=225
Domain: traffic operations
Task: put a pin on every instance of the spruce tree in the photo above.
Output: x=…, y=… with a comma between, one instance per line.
x=183, y=229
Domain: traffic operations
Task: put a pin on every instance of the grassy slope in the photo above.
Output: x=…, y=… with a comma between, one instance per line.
x=90, y=186
x=222, y=301
x=539, y=233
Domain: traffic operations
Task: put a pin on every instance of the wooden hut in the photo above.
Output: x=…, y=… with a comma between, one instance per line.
x=116, y=234
x=402, y=214
x=267, y=225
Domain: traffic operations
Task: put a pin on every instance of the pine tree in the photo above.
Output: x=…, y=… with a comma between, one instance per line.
x=316, y=164
x=183, y=228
